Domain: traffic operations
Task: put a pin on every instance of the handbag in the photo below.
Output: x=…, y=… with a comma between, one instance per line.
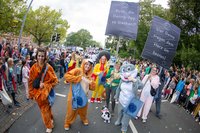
x=36, y=82
x=79, y=98
x=133, y=107
x=152, y=91
x=6, y=100
x=52, y=94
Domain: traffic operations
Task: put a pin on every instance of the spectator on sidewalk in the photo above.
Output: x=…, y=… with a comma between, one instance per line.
x=25, y=76
x=179, y=88
x=11, y=85
x=18, y=72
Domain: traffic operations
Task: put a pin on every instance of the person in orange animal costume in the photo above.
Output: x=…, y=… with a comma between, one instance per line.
x=83, y=76
x=40, y=95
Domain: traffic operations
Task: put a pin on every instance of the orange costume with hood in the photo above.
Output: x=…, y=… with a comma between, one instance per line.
x=76, y=76
x=41, y=95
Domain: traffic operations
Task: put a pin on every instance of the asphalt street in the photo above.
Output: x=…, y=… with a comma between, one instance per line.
x=174, y=119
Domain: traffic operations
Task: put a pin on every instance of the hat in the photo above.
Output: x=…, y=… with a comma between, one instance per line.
x=103, y=53
x=91, y=61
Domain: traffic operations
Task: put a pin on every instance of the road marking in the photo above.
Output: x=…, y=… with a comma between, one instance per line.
x=164, y=101
x=61, y=95
x=134, y=130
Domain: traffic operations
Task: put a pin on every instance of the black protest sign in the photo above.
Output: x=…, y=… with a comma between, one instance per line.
x=123, y=19
x=162, y=42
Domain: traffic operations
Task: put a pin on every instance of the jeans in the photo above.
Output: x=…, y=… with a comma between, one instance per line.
x=61, y=71
x=110, y=91
x=158, y=98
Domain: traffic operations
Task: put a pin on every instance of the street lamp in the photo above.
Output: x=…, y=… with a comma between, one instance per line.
x=23, y=23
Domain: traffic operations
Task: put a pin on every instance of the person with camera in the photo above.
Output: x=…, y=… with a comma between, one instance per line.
x=39, y=90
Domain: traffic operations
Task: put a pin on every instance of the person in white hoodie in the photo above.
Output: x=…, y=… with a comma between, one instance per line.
x=25, y=77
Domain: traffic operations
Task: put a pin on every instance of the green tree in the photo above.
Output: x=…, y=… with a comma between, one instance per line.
x=11, y=14
x=187, y=18
x=134, y=48
x=81, y=38
x=41, y=23
x=147, y=12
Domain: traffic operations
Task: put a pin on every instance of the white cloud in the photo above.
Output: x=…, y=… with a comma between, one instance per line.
x=88, y=14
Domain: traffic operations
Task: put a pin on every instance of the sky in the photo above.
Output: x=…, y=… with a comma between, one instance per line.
x=91, y=15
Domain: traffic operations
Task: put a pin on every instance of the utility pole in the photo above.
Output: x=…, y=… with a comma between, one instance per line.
x=23, y=23
x=118, y=43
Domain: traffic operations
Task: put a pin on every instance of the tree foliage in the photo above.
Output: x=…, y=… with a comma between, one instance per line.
x=134, y=48
x=41, y=23
x=11, y=14
x=81, y=38
x=187, y=18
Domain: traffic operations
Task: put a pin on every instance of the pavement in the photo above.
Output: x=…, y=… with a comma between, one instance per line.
x=174, y=119
x=8, y=118
x=20, y=119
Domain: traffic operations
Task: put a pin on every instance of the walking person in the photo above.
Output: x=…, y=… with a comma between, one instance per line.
x=153, y=80
x=83, y=76
x=40, y=94
x=158, y=96
x=112, y=82
x=99, y=73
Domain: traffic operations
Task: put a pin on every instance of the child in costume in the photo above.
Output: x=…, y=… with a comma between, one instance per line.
x=83, y=76
x=99, y=72
x=127, y=89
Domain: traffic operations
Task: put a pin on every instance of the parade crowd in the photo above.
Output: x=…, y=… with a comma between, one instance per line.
x=98, y=72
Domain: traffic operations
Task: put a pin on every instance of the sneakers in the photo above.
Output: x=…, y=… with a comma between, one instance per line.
x=67, y=127
x=136, y=117
x=159, y=116
x=144, y=120
x=99, y=100
x=117, y=123
x=85, y=122
x=17, y=104
x=49, y=130
x=92, y=100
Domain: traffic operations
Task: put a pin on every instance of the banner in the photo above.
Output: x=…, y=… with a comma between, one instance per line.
x=123, y=19
x=162, y=42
